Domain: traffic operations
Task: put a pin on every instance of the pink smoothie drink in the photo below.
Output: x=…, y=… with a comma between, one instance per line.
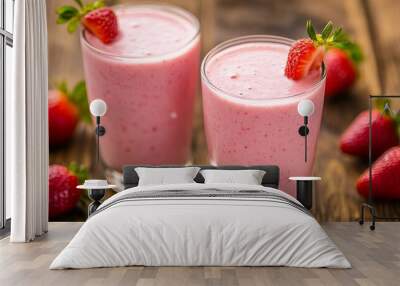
x=148, y=77
x=250, y=107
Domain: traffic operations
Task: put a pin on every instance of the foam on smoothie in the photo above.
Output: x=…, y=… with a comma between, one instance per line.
x=256, y=71
x=146, y=32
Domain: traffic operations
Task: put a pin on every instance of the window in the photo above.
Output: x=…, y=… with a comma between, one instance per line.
x=6, y=43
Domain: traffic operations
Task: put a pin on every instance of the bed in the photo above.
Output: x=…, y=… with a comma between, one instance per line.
x=201, y=224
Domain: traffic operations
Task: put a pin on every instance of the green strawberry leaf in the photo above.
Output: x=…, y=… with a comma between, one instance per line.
x=383, y=105
x=73, y=25
x=354, y=51
x=326, y=32
x=62, y=86
x=81, y=171
x=79, y=97
x=380, y=103
x=66, y=13
x=72, y=16
x=311, y=31
x=92, y=6
x=331, y=36
x=337, y=33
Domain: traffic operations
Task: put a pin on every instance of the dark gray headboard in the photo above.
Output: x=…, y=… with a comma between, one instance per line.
x=271, y=178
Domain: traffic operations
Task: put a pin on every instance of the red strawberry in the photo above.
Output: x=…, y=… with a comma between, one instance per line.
x=385, y=176
x=307, y=55
x=102, y=23
x=355, y=139
x=341, y=71
x=303, y=57
x=63, y=194
x=63, y=118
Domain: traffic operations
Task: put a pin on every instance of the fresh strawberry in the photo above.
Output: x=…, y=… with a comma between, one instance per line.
x=63, y=118
x=102, y=23
x=303, y=57
x=385, y=176
x=63, y=194
x=97, y=19
x=341, y=71
x=355, y=139
x=307, y=55
x=65, y=109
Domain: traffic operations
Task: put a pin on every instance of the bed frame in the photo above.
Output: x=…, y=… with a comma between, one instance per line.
x=271, y=177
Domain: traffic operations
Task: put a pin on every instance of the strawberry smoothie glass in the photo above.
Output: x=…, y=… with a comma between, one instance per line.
x=250, y=107
x=148, y=77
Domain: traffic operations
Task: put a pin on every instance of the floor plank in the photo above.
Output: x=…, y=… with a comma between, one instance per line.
x=375, y=258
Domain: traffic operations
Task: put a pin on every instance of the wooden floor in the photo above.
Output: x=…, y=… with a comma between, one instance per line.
x=370, y=22
x=374, y=255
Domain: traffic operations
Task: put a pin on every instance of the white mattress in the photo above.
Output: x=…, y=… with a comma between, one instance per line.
x=189, y=231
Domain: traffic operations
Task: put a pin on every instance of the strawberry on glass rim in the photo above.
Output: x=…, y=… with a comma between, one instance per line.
x=99, y=20
x=307, y=54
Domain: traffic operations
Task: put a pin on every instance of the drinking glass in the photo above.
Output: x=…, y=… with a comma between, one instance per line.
x=150, y=97
x=253, y=131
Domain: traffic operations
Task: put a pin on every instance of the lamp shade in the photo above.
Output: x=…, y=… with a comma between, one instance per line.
x=98, y=107
x=305, y=107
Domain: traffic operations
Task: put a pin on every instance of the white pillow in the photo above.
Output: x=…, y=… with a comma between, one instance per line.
x=248, y=177
x=163, y=176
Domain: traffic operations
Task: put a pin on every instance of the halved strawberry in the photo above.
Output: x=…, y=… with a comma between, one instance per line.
x=96, y=18
x=303, y=57
x=102, y=23
x=307, y=55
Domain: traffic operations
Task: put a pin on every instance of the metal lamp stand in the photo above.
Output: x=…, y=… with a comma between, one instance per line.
x=97, y=188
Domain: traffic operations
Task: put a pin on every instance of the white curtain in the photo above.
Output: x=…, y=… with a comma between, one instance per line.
x=26, y=124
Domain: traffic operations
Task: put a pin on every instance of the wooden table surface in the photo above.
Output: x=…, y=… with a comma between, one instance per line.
x=373, y=23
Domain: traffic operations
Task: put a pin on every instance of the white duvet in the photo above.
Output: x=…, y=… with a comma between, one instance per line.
x=188, y=231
